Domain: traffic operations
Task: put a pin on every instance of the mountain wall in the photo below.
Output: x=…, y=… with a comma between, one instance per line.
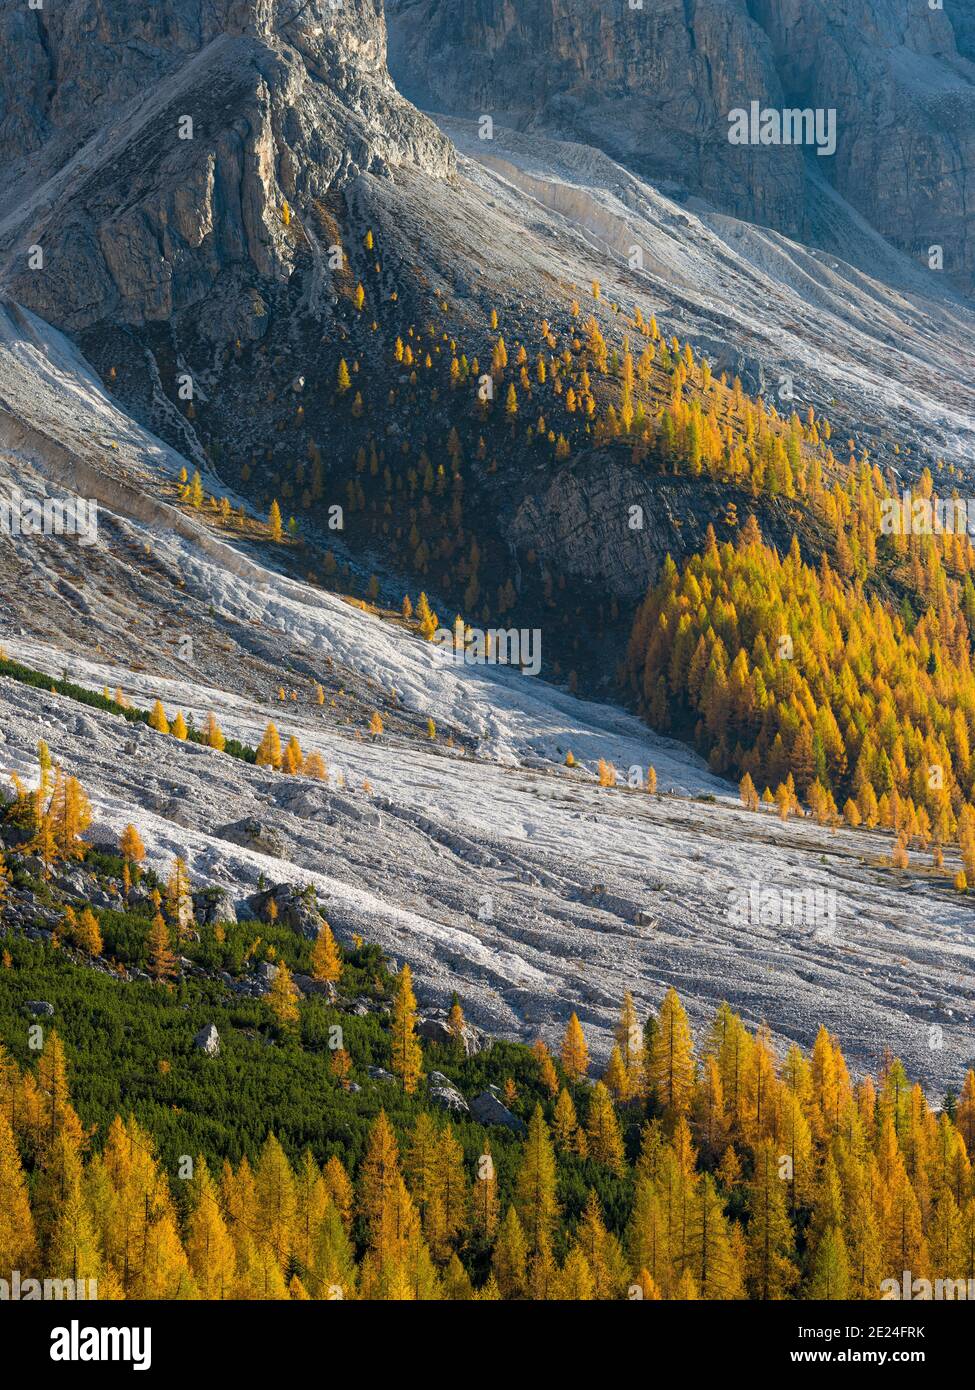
x=653, y=85
x=148, y=152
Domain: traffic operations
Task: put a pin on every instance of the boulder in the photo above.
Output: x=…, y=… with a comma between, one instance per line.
x=489, y=1110
x=254, y=834
x=437, y=1030
x=324, y=989
x=211, y=905
x=75, y=882
x=295, y=908
x=207, y=1041
x=40, y=1008
x=445, y=1094
x=434, y=1030
x=381, y=1074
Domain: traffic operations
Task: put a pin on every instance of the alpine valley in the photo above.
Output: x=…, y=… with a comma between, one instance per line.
x=487, y=648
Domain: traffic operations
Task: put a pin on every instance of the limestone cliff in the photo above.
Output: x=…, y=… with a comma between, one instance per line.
x=148, y=151
x=652, y=84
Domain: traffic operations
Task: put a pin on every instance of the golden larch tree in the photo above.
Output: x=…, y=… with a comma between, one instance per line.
x=283, y=997
x=535, y=1198
x=162, y=962
x=575, y=1052
x=269, y=750
x=293, y=759
x=546, y=1067
x=326, y=962
x=407, y=1057
x=603, y=1129
x=214, y=734
x=209, y=1248
x=671, y=1061
x=18, y=1245
x=157, y=718
x=130, y=845
x=88, y=934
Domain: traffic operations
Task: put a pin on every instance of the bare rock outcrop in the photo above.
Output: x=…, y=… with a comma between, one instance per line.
x=488, y=1109
x=207, y=1041
x=437, y=1029
x=652, y=84
x=446, y=1095
x=294, y=907
x=149, y=152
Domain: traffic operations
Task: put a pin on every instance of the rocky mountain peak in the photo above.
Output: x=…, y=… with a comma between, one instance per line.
x=150, y=154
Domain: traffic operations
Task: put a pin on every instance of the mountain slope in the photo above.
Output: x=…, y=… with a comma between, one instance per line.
x=489, y=866
x=477, y=854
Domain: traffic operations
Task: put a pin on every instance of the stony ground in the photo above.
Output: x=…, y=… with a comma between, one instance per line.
x=530, y=890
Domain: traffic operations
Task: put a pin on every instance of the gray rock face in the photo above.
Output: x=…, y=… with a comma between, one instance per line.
x=445, y=1094
x=254, y=834
x=295, y=908
x=649, y=86
x=579, y=522
x=40, y=1008
x=325, y=989
x=170, y=137
x=257, y=984
x=214, y=905
x=74, y=882
x=332, y=808
x=437, y=1030
x=489, y=1110
x=207, y=1041
x=653, y=86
